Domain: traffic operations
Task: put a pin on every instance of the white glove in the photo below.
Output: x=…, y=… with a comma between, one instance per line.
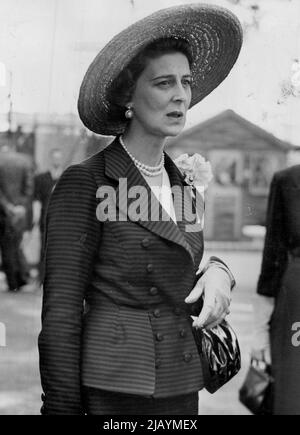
x=215, y=286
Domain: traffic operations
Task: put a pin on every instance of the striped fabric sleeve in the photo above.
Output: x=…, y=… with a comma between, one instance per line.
x=72, y=237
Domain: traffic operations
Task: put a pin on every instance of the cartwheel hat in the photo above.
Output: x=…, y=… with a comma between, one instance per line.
x=215, y=38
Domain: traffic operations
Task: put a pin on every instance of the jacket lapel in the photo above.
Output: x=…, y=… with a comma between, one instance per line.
x=186, y=205
x=118, y=165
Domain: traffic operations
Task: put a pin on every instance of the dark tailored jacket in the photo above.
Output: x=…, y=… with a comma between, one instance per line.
x=134, y=333
x=283, y=229
x=16, y=181
x=43, y=186
x=280, y=277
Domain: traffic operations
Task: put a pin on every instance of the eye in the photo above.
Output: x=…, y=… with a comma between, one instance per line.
x=164, y=83
x=187, y=82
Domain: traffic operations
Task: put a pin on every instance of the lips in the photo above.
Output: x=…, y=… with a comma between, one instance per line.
x=175, y=115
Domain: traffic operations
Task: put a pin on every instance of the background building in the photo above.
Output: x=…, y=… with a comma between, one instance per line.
x=244, y=158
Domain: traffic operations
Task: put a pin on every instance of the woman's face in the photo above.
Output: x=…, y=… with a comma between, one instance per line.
x=162, y=96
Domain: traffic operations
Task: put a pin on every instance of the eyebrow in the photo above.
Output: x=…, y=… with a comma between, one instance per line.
x=169, y=76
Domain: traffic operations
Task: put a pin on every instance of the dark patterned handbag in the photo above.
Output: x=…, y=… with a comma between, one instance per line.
x=220, y=355
x=218, y=348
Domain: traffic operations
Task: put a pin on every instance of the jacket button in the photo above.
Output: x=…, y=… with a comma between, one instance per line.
x=182, y=333
x=187, y=357
x=153, y=291
x=177, y=311
x=156, y=312
x=150, y=268
x=157, y=363
x=145, y=243
x=159, y=336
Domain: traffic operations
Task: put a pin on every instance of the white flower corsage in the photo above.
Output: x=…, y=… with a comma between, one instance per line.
x=196, y=170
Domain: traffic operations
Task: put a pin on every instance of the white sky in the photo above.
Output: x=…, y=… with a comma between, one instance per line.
x=48, y=44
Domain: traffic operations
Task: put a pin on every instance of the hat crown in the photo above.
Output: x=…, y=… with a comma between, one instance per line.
x=213, y=33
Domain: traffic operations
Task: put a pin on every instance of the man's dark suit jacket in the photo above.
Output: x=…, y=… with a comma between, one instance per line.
x=43, y=186
x=16, y=181
x=134, y=334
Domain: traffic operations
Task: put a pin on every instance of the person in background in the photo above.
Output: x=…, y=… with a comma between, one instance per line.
x=44, y=184
x=2, y=224
x=2, y=221
x=278, y=302
x=16, y=191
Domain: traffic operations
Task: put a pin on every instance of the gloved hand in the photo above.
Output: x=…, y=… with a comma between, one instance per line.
x=215, y=287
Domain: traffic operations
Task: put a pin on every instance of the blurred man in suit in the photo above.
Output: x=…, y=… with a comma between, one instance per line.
x=16, y=190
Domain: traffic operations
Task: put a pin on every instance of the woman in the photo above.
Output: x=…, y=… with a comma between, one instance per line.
x=278, y=303
x=132, y=350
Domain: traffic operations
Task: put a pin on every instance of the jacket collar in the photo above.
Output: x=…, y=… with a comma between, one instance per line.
x=119, y=165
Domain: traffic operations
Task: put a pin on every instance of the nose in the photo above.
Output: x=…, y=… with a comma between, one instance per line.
x=180, y=94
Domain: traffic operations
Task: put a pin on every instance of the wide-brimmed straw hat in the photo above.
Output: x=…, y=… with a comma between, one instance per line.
x=215, y=38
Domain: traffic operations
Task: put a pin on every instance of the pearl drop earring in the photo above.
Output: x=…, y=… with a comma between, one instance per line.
x=129, y=113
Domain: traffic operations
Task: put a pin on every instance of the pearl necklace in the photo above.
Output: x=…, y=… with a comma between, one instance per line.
x=150, y=171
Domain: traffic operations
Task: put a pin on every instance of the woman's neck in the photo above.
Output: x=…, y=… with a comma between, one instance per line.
x=147, y=149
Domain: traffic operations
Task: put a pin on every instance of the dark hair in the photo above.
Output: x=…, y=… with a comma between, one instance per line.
x=123, y=86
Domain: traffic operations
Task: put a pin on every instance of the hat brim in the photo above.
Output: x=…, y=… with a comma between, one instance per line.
x=215, y=38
